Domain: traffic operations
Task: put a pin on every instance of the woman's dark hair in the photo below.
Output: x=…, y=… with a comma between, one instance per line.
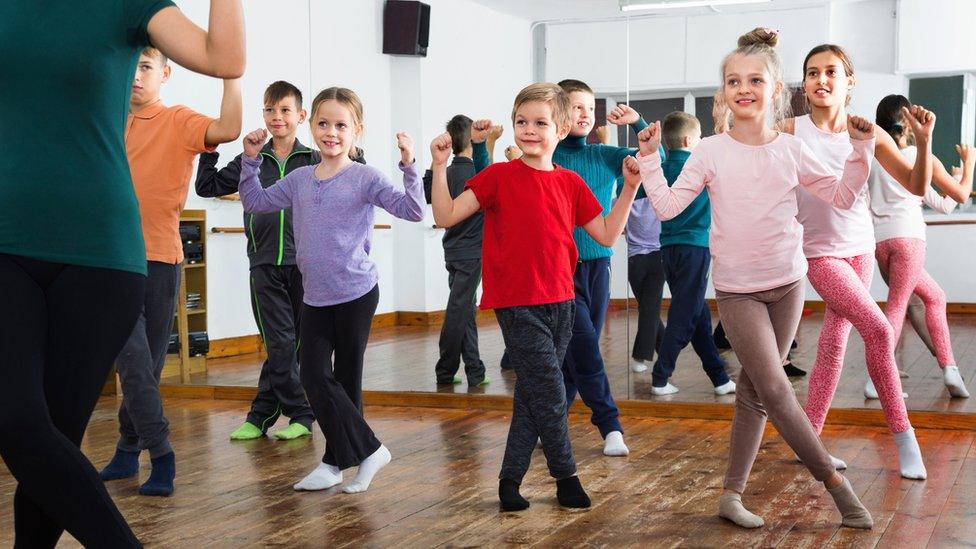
x=888, y=116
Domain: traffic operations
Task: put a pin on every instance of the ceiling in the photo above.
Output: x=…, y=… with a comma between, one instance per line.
x=548, y=10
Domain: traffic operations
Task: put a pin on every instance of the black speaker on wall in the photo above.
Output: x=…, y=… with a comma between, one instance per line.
x=406, y=27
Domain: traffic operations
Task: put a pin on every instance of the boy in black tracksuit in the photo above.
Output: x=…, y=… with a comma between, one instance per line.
x=276, y=284
x=462, y=258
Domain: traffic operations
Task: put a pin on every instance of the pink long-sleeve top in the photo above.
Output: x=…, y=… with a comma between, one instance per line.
x=755, y=240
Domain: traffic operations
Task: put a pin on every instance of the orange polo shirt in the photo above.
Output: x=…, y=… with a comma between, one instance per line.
x=161, y=143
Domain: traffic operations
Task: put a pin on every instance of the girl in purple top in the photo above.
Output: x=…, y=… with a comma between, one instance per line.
x=332, y=205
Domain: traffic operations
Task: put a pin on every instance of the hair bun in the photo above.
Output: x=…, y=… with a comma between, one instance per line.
x=760, y=36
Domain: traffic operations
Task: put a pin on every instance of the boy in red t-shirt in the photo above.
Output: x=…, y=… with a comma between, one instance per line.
x=531, y=207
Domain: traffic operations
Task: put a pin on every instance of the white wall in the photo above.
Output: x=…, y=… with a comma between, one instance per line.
x=462, y=73
x=677, y=52
x=936, y=36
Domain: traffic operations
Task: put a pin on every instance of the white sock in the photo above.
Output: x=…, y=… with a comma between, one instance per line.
x=954, y=382
x=638, y=366
x=910, y=455
x=367, y=469
x=871, y=393
x=726, y=388
x=614, y=445
x=666, y=390
x=324, y=476
x=838, y=463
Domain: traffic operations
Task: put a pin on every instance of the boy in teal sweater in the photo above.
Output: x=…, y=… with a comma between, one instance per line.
x=599, y=166
x=684, y=252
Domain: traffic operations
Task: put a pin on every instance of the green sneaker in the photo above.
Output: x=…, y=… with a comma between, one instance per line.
x=457, y=379
x=248, y=431
x=484, y=382
x=293, y=431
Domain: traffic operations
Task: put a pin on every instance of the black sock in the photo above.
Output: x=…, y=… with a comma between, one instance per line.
x=508, y=493
x=570, y=493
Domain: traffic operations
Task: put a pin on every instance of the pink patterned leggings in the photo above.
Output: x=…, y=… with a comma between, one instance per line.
x=843, y=283
x=903, y=260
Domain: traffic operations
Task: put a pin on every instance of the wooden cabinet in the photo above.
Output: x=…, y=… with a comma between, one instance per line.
x=191, y=304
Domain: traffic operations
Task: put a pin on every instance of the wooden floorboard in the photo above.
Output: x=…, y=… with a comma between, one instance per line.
x=402, y=358
x=440, y=489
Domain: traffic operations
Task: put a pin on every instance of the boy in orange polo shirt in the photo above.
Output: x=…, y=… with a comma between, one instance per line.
x=161, y=143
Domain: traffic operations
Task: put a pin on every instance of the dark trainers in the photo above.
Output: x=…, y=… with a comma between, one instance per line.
x=719, y=338
x=792, y=371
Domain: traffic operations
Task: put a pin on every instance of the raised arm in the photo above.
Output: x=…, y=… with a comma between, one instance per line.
x=606, y=230
x=255, y=198
x=480, y=155
x=622, y=114
x=494, y=134
x=915, y=178
x=212, y=182
x=840, y=192
x=227, y=126
x=668, y=202
x=409, y=203
x=957, y=189
x=448, y=212
x=217, y=51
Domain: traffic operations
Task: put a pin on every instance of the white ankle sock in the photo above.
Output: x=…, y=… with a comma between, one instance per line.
x=910, y=455
x=730, y=507
x=838, y=463
x=614, y=445
x=871, y=393
x=666, y=390
x=726, y=388
x=324, y=476
x=954, y=382
x=367, y=469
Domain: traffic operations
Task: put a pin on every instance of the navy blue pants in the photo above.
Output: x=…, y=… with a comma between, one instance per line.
x=689, y=320
x=583, y=369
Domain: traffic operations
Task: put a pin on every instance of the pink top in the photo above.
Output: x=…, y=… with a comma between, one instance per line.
x=755, y=240
x=830, y=231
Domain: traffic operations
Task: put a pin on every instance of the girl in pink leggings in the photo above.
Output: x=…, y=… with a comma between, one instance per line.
x=900, y=230
x=839, y=244
x=752, y=174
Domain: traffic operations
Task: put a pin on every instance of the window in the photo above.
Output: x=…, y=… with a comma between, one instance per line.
x=944, y=96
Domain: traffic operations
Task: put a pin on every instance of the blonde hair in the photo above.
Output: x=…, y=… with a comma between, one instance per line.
x=762, y=41
x=545, y=92
x=676, y=126
x=150, y=51
x=348, y=99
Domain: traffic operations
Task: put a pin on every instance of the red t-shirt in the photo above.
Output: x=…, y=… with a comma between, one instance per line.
x=528, y=254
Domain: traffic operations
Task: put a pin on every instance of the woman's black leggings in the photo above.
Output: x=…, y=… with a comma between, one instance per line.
x=61, y=326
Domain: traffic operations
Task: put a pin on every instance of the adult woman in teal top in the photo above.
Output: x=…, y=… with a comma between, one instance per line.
x=72, y=260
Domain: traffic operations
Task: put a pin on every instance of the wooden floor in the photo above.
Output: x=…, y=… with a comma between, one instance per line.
x=402, y=358
x=440, y=489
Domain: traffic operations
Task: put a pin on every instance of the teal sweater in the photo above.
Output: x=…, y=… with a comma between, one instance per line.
x=599, y=166
x=690, y=227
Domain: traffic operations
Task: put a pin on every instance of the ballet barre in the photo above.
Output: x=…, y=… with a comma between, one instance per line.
x=240, y=230
x=950, y=222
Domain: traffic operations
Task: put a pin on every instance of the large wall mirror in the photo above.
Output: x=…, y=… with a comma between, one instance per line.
x=655, y=63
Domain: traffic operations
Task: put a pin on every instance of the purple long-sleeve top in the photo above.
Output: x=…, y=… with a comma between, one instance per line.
x=333, y=222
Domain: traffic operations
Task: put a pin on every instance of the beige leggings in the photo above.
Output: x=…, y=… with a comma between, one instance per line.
x=760, y=326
